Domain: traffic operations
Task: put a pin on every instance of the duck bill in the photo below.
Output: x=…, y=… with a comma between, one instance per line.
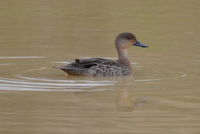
x=140, y=44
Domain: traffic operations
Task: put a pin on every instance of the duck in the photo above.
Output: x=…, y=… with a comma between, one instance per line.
x=102, y=67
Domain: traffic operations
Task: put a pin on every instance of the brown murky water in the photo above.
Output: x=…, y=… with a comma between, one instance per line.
x=163, y=97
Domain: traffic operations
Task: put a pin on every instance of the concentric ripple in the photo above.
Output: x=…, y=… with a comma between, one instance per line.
x=23, y=83
x=36, y=79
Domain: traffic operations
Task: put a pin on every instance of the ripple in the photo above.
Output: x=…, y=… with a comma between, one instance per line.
x=21, y=57
x=5, y=64
x=147, y=80
x=183, y=75
x=10, y=88
x=24, y=83
x=74, y=81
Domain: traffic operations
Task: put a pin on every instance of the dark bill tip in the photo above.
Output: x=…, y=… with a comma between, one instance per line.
x=140, y=44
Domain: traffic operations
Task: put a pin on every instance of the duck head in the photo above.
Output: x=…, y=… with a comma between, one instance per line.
x=122, y=43
x=125, y=40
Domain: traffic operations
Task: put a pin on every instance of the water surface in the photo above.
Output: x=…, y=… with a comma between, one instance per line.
x=162, y=97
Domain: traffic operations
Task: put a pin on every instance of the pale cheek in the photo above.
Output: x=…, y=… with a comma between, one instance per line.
x=133, y=42
x=126, y=46
x=130, y=44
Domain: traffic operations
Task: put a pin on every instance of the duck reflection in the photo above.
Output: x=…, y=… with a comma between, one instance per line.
x=124, y=101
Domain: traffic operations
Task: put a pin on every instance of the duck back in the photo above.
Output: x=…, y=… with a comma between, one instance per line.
x=95, y=67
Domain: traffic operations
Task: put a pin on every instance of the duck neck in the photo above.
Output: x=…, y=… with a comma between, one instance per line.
x=123, y=57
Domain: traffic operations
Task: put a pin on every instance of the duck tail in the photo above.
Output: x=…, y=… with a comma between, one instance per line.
x=59, y=67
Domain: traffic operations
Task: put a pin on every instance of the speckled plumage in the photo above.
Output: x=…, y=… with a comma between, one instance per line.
x=99, y=67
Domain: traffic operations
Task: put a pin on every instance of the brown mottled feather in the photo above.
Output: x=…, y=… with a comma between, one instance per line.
x=96, y=67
